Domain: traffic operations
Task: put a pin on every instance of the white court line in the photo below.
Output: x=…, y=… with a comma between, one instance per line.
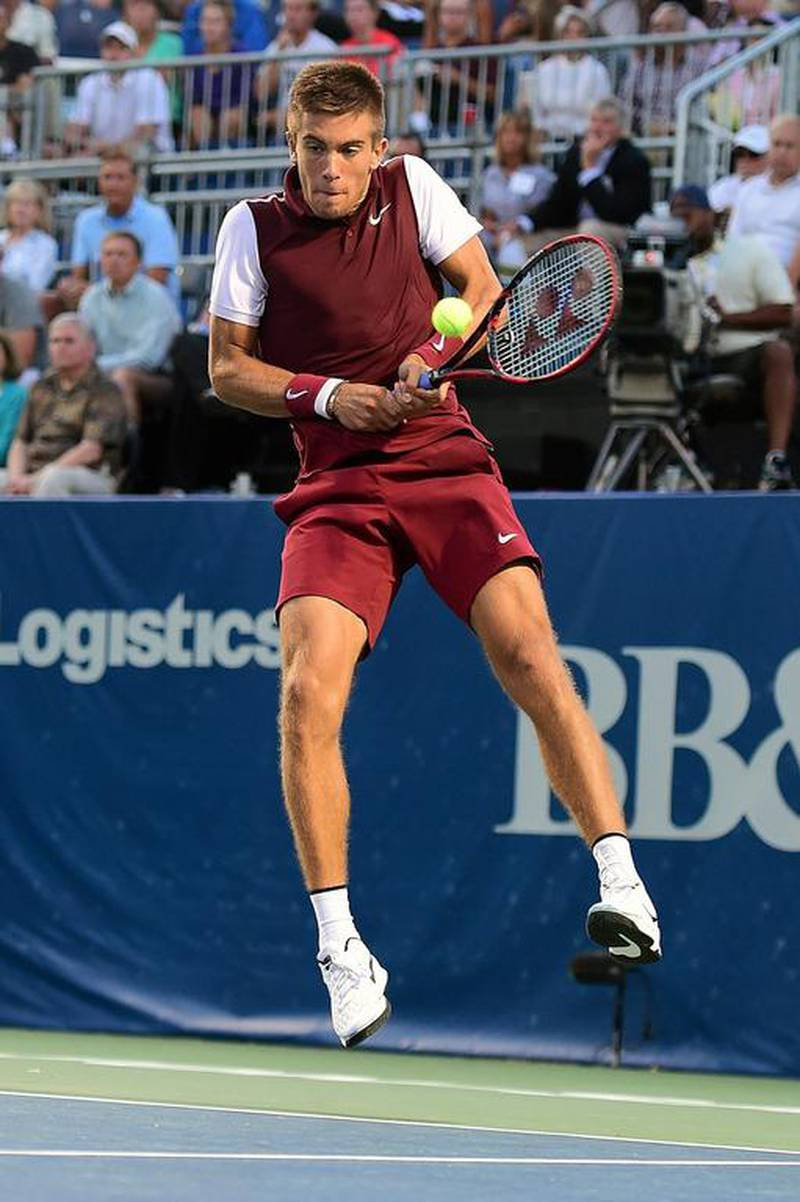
x=406, y=1082
x=357, y=1158
x=427, y=1123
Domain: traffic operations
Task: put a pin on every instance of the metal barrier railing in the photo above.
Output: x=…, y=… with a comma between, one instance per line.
x=202, y=103
x=749, y=88
x=454, y=96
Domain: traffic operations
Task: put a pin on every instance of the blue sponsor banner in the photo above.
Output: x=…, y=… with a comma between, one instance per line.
x=148, y=881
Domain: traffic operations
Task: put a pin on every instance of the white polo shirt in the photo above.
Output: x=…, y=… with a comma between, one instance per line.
x=743, y=273
x=772, y=211
x=113, y=105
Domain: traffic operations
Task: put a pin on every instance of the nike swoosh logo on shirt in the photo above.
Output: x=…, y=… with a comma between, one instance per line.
x=377, y=218
x=438, y=343
x=292, y=396
x=506, y=538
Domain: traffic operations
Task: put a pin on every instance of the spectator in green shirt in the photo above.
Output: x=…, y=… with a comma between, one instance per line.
x=12, y=394
x=155, y=43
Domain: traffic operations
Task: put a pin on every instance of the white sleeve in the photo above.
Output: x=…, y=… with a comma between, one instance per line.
x=238, y=287
x=773, y=286
x=84, y=101
x=152, y=99
x=737, y=220
x=444, y=224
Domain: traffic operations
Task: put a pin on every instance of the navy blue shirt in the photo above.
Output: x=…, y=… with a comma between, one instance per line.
x=79, y=26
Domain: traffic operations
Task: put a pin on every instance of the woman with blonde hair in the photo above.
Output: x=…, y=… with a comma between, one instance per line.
x=511, y=186
x=29, y=251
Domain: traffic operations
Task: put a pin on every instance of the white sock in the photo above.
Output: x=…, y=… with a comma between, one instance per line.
x=614, y=861
x=334, y=920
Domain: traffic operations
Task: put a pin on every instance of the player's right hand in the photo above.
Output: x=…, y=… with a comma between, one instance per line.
x=367, y=407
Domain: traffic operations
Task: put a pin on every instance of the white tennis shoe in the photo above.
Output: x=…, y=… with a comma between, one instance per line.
x=624, y=921
x=356, y=983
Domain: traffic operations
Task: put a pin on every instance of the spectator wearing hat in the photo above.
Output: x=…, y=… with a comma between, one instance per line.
x=113, y=107
x=743, y=281
x=563, y=87
x=748, y=158
x=769, y=203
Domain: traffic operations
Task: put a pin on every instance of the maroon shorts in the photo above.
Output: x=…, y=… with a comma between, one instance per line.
x=354, y=531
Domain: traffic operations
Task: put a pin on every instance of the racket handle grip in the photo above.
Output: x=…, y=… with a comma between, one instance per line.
x=428, y=379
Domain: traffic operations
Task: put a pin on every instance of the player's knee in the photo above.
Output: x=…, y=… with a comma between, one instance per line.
x=526, y=659
x=312, y=703
x=52, y=482
x=778, y=354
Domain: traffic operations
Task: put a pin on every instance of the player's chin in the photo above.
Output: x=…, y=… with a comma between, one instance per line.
x=332, y=205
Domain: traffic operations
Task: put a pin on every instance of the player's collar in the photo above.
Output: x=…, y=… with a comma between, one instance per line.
x=297, y=205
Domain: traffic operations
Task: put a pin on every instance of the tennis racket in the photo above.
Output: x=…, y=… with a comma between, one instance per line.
x=557, y=310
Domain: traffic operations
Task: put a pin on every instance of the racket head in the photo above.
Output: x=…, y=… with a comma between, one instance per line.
x=556, y=311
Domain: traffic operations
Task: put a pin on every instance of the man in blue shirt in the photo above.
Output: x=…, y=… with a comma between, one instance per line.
x=133, y=322
x=122, y=210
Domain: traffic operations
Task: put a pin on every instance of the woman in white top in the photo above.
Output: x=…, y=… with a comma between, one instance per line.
x=510, y=187
x=29, y=251
x=561, y=90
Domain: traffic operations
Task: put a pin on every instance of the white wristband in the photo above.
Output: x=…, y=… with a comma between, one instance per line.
x=321, y=399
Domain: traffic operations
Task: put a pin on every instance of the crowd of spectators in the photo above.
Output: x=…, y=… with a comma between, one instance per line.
x=98, y=328
x=158, y=108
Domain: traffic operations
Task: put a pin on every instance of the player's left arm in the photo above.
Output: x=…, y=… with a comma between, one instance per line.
x=471, y=274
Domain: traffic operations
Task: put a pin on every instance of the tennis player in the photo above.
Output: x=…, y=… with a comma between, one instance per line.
x=321, y=306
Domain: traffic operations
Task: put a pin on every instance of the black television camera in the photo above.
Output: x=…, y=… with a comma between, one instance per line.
x=659, y=308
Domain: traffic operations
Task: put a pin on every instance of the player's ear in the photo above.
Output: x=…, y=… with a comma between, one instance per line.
x=291, y=140
x=379, y=148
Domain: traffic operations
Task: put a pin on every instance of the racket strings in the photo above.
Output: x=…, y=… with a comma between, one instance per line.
x=556, y=311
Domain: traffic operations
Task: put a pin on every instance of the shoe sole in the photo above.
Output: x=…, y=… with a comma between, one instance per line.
x=372, y=1027
x=609, y=928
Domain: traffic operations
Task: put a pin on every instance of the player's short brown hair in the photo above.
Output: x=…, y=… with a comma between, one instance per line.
x=336, y=87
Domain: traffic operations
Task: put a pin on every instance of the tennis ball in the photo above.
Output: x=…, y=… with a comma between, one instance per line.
x=452, y=316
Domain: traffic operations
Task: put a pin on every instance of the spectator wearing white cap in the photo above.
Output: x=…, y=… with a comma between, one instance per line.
x=120, y=107
x=748, y=158
x=769, y=204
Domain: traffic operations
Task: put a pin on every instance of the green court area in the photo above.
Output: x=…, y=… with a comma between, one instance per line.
x=589, y=1101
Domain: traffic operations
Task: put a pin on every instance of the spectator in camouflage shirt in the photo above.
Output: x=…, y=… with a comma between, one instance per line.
x=71, y=432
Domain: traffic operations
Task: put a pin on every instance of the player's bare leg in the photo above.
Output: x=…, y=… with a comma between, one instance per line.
x=510, y=617
x=321, y=642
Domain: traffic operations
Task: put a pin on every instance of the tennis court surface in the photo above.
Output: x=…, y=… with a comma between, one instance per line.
x=90, y=1118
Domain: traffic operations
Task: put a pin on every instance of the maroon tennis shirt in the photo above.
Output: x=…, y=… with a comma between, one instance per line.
x=350, y=298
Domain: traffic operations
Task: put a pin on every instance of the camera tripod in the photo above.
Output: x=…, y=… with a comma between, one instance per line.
x=648, y=436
